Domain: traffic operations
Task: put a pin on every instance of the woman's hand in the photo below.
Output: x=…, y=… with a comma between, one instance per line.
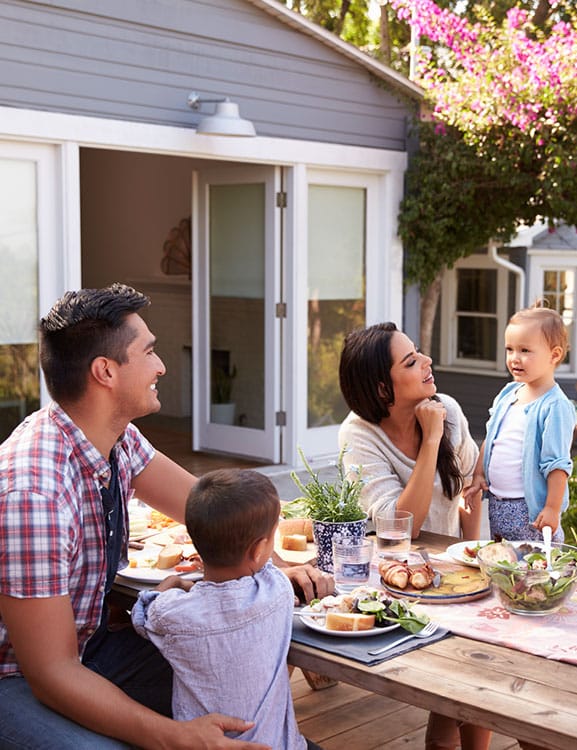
x=431, y=415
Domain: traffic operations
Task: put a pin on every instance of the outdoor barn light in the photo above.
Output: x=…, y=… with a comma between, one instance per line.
x=226, y=119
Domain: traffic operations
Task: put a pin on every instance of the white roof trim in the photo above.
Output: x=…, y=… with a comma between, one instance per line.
x=301, y=23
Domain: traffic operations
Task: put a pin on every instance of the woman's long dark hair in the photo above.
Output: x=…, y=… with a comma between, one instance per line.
x=366, y=385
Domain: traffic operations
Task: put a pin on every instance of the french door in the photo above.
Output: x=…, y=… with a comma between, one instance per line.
x=34, y=269
x=236, y=331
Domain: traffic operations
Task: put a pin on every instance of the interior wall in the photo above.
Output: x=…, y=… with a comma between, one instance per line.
x=129, y=203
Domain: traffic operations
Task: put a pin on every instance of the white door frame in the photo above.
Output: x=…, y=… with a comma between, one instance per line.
x=383, y=274
x=58, y=220
x=261, y=443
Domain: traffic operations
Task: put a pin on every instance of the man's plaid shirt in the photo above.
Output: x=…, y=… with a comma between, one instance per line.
x=52, y=532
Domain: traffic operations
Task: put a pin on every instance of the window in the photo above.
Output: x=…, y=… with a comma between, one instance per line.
x=474, y=312
x=553, y=277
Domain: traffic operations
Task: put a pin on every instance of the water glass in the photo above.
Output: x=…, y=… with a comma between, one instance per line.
x=394, y=530
x=351, y=561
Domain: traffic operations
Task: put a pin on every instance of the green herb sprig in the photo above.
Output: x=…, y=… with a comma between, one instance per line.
x=336, y=502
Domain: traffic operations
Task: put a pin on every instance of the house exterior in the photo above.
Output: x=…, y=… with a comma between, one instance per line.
x=479, y=295
x=292, y=233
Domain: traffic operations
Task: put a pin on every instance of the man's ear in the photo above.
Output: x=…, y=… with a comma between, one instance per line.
x=102, y=370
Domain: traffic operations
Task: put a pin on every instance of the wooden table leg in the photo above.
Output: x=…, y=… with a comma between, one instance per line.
x=318, y=681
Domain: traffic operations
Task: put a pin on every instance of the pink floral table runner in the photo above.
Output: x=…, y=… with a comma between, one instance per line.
x=552, y=636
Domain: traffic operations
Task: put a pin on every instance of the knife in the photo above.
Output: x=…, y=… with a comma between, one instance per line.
x=425, y=555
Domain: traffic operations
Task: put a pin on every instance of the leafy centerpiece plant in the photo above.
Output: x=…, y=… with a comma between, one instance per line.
x=333, y=506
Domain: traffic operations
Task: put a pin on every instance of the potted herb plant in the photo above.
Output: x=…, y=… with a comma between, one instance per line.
x=222, y=408
x=334, y=508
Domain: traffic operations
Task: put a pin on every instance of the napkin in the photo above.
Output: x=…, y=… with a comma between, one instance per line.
x=357, y=647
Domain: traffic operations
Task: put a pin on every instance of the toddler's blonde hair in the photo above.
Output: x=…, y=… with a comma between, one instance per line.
x=552, y=325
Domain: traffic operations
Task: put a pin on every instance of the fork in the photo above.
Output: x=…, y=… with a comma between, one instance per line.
x=426, y=632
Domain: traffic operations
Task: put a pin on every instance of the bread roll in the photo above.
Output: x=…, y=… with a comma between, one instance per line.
x=349, y=621
x=295, y=542
x=170, y=556
x=288, y=526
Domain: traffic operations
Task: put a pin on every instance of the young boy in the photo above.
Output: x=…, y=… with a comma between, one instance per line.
x=227, y=637
x=525, y=461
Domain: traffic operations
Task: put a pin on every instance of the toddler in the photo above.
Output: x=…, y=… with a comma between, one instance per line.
x=525, y=460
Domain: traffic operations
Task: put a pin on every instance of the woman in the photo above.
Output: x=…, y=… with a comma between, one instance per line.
x=416, y=454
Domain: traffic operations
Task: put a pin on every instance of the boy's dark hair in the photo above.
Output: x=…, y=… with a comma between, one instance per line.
x=367, y=387
x=229, y=509
x=81, y=326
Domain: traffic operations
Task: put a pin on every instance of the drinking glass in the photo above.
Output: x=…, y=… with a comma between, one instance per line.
x=394, y=530
x=351, y=561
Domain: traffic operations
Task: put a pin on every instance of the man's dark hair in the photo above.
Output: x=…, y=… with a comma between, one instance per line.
x=227, y=511
x=367, y=387
x=81, y=326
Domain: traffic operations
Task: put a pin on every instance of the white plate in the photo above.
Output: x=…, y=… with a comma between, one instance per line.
x=456, y=551
x=153, y=575
x=319, y=626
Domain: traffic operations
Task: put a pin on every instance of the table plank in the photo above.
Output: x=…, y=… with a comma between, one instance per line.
x=503, y=702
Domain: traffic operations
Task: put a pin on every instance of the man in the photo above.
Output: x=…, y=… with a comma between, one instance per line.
x=68, y=677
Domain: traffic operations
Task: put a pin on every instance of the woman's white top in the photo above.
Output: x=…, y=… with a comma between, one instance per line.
x=386, y=470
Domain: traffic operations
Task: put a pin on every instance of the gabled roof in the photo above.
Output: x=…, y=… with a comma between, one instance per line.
x=301, y=23
x=563, y=237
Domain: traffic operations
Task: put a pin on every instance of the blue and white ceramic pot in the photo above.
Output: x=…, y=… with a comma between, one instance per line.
x=323, y=532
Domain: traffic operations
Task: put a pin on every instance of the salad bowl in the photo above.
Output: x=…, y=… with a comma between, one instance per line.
x=519, y=574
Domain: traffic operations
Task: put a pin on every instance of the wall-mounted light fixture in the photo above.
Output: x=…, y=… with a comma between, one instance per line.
x=226, y=119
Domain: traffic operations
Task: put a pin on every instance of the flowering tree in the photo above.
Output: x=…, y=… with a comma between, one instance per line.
x=500, y=147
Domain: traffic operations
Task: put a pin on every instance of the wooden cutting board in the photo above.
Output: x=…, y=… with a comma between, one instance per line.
x=298, y=558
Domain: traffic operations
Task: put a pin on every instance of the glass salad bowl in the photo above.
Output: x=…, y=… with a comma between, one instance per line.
x=518, y=573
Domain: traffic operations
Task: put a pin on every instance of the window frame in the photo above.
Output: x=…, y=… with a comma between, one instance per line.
x=450, y=316
x=542, y=261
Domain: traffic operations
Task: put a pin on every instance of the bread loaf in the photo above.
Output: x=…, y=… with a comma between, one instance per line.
x=288, y=526
x=349, y=621
x=295, y=542
x=170, y=556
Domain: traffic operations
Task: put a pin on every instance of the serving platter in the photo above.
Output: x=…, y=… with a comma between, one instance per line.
x=317, y=623
x=457, y=551
x=459, y=584
x=146, y=573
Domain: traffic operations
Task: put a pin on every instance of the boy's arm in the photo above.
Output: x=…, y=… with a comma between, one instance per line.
x=551, y=513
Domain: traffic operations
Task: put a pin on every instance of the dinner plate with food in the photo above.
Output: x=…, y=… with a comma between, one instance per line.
x=446, y=583
x=363, y=612
x=466, y=552
x=154, y=563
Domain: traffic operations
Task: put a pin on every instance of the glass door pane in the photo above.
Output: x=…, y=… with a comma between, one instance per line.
x=336, y=292
x=237, y=295
x=237, y=344
x=19, y=375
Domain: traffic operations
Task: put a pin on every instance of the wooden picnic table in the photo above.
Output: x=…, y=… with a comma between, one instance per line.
x=512, y=692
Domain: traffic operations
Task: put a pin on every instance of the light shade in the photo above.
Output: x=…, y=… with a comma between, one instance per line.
x=226, y=119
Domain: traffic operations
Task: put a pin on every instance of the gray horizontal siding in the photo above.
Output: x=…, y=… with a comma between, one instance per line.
x=139, y=59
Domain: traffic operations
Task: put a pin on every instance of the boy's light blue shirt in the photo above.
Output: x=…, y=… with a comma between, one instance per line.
x=547, y=444
x=227, y=644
